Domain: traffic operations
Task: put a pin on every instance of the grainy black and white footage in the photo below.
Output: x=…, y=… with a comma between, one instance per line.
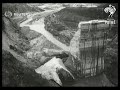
x=59, y=44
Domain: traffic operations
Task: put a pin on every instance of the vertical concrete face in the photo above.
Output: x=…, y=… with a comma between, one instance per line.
x=89, y=65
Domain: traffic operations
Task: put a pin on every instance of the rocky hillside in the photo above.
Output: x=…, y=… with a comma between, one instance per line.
x=23, y=49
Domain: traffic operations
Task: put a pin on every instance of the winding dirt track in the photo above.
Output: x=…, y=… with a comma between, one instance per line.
x=39, y=27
